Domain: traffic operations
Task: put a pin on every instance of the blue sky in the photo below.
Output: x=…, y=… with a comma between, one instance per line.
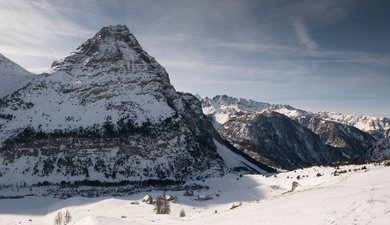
x=316, y=55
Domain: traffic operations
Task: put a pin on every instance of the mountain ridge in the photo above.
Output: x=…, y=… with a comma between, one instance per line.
x=364, y=123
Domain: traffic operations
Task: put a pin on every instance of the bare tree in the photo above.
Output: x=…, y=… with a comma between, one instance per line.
x=162, y=206
x=68, y=217
x=58, y=219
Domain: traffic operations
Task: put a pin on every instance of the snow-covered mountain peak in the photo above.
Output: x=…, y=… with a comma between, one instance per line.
x=114, y=49
x=221, y=102
x=224, y=102
x=108, y=76
x=375, y=125
x=12, y=76
x=222, y=107
x=7, y=66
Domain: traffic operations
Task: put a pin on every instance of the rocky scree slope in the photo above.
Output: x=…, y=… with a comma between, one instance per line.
x=270, y=132
x=106, y=112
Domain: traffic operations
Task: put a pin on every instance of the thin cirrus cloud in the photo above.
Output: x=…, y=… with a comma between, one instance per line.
x=32, y=27
x=303, y=35
x=264, y=50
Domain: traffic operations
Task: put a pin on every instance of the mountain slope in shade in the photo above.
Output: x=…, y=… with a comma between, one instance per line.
x=106, y=112
x=276, y=140
x=379, y=151
x=339, y=141
x=12, y=76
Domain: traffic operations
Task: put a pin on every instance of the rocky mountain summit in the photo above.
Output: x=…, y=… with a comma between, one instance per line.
x=289, y=138
x=108, y=112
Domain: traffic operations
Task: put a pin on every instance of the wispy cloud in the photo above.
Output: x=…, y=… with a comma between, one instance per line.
x=334, y=56
x=303, y=35
x=38, y=29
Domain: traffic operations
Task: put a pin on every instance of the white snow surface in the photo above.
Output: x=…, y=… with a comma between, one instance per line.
x=234, y=160
x=12, y=76
x=361, y=195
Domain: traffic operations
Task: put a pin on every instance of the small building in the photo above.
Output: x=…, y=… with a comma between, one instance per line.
x=171, y=198
x=147, y=199
x=203, y=197
x=189, y=192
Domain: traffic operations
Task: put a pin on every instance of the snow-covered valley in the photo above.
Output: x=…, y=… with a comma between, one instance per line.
x=355, y=194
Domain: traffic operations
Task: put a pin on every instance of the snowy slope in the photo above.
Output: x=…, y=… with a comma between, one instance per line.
x=12, y=76
x=236, y=160
x=357, y=195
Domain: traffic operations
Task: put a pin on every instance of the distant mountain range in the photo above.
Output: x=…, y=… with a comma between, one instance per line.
x=289, y=138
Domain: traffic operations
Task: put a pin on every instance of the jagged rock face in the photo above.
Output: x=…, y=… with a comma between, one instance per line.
x=12, y=76
x=106, y=112
x=317, y=140
x=276, y=140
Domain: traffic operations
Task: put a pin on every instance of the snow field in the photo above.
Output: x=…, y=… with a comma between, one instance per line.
x=361, y=196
